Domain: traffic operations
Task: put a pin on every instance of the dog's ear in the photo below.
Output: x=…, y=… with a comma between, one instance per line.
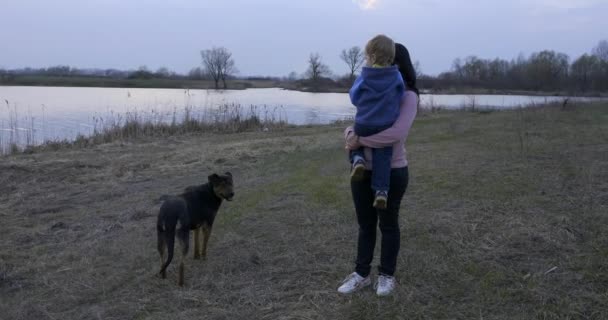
x=228, y=174
x=214, y=178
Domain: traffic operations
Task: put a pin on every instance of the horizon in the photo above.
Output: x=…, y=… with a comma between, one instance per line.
x=125, y=35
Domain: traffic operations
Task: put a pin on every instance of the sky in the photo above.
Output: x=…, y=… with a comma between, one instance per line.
x=275, y=37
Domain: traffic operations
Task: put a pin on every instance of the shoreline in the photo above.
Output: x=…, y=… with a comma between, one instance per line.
x=84, y=82
x=244, y=84
x=133, y=129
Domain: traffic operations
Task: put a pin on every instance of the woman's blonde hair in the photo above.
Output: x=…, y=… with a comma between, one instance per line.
x=380, y=51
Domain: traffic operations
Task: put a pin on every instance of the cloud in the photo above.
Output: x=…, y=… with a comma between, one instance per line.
x=366, y=4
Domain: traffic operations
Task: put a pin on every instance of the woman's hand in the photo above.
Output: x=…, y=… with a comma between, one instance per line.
x=352, y=142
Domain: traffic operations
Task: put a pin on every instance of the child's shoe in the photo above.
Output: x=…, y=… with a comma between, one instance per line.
x=358, y=171
x=380, y=200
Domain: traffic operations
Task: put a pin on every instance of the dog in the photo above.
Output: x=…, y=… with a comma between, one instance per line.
x=195, y=209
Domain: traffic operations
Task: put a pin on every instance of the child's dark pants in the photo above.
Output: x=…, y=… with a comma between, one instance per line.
x=381, y=157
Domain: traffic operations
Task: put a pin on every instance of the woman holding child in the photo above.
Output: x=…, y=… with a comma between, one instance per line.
x=386, y=98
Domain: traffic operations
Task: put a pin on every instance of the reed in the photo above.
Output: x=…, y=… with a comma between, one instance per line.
x=226, y=118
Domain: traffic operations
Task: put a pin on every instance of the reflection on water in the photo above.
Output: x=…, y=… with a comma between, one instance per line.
x=47, y=113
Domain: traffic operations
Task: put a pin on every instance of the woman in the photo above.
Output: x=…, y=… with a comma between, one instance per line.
x=363, y=195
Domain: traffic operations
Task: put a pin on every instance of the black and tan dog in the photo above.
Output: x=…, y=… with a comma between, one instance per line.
x=195, y=209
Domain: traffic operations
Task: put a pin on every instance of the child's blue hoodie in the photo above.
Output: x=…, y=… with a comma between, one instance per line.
x=377, y=94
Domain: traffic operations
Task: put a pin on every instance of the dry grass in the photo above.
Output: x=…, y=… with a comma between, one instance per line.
x=115, y=127
x=505, y=218
x=13, y=131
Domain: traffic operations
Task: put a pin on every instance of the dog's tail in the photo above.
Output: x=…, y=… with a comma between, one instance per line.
x=169, y=235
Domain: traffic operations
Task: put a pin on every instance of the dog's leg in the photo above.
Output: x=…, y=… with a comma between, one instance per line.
x=161, y=245
x=184, y=241
x=197, y=248
x=206, y=235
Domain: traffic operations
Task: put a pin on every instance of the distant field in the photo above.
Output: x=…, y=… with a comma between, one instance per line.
x=161, y=83
x=133, y=83
x=505, y=218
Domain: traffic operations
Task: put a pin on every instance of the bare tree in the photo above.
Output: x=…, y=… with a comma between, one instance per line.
x=417, y=69
x=457, y=68
x=163, y=72
x=601, y=50
x=582, y=71
x=293, y=76
x=218, y=64
x=547, y=69
x=196, y=73
x=142, y=73
x=316, y=68
x=354, y=58
x=229, y=70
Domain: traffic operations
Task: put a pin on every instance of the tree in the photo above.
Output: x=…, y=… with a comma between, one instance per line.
x=418, y=69
x=316, y=68
x=61, y=71
x=474, y=69
x=547, y=69
x=601, y=71
x=583, y=71
x=116, y=74
x=354, y=58
x=163, y=72
x=142, y=73
x=218, y=64
x=457, y=68
x=196, y=73
x=601, y=50
x=516, y=75
x=293, y=76
x=497, y=70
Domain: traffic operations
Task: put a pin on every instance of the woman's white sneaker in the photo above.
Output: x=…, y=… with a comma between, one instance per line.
x=386, y=285
x=354, y=282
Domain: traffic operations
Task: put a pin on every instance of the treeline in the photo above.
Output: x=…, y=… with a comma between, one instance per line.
x=541, y=71
x=66, y=71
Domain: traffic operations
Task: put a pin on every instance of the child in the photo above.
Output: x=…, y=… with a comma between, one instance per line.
x=377, y=94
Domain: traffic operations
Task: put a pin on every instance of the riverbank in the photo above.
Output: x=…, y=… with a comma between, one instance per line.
x=504, y=218
x=242, y=84
x=133, y=83
x=160, y=83
x=480, y=91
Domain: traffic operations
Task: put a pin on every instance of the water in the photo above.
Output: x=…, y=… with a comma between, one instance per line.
x=36, y=114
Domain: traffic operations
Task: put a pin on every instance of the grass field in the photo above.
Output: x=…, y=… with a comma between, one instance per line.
x=506, y=217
